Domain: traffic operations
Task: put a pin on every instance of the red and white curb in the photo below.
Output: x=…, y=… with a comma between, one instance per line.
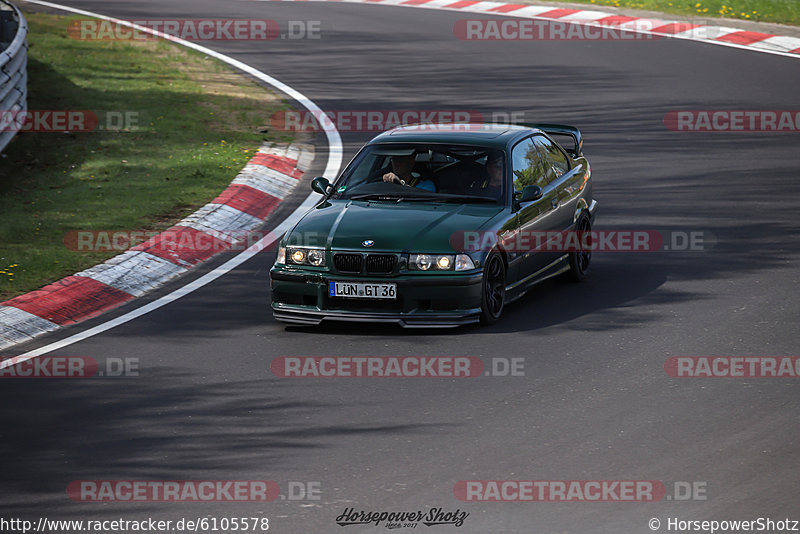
x=257, y=190
x=721, y=35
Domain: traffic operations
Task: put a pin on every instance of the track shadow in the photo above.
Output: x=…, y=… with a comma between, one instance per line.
x=167, y=425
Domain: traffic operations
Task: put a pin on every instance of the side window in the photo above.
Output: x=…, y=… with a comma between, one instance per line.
x=555, y=161
x=527, y=166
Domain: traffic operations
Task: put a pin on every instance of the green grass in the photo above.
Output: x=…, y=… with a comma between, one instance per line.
x=198, y=124
x=781, y=11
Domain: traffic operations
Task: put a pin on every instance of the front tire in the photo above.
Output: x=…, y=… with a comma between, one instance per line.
x=580, y=260
x=494, y=289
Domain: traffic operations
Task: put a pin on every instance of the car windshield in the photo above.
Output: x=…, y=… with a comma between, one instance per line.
x=406, y=172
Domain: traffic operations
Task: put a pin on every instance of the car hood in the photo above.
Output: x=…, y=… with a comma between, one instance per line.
x=407, y=226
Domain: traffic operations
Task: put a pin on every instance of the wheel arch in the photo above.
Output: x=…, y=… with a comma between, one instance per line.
x=580, y=207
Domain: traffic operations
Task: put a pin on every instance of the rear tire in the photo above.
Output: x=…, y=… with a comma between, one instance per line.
x=493, y=290
x=580, y=260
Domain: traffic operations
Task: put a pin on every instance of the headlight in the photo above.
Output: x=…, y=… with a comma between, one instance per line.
x=430, y=262
x=316, y=257
x=423, y=262
x=305, y=256
x=464, y=263
x=298, y=256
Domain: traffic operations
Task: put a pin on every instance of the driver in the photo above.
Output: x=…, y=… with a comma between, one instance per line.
x=492, y=184
x=401, y=173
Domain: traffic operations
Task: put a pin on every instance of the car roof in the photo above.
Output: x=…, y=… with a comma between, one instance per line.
x=485, y=134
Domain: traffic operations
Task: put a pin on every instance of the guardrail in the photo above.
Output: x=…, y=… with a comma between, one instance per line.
x=13, y=63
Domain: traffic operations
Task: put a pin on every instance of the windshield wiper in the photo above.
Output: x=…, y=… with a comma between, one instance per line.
x=431, y=198
x=377, y=196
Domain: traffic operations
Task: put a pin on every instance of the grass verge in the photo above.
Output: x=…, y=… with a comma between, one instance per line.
x=177, y=126
x=780, y=11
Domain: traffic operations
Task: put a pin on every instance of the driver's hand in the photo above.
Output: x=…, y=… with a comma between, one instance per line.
x=391, y=177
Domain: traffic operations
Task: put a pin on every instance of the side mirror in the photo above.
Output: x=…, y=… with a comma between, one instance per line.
x=320, y=184
x=531, y=192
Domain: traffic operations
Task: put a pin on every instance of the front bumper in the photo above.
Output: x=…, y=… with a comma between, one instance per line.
x=301, y=297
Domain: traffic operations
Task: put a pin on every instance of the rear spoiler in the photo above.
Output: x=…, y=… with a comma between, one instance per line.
x=562, y=130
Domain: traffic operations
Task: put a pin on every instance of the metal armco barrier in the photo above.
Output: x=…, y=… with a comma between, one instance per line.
x=13, y=62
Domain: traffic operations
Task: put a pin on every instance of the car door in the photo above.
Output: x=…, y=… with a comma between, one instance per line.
x=563, y=181
x=537, y=217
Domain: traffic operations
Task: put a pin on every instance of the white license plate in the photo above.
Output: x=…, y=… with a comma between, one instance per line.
x=362, y=290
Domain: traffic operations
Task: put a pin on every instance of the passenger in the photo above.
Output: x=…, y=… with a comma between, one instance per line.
x=492, y=184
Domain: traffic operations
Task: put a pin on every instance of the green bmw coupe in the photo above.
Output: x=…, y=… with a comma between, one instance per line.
x=438, y=226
